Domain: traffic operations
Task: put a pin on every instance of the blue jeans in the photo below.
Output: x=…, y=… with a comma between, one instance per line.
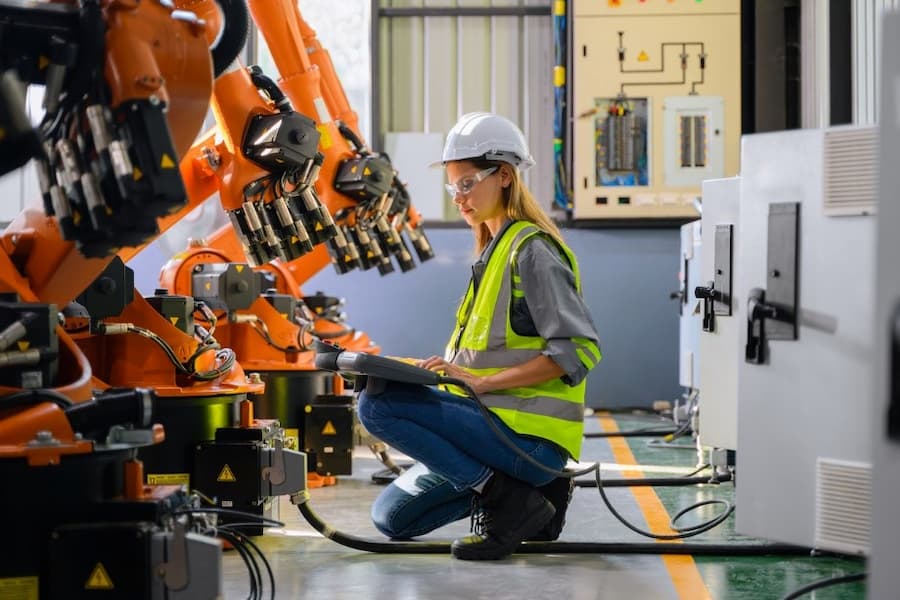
x=448, y=434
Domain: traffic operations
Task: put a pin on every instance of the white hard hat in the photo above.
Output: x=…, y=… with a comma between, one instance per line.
x=488, y=136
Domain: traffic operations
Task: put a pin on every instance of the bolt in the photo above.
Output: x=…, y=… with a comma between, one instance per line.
x=254, y=378
x=775, y=273
x=44, y=436
x=154, y=100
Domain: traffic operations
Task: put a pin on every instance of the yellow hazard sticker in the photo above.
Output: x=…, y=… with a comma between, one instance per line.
x=174, y=320
x=208, y=286
x=226, y=475
x=367, y=171
x=43, y=61
x=325, y=137
x=239, y=268
x=23, y=345
x=329, y=429
x=137, y=174
x=19, y=588
x=643, y=57
x=169, y=479
x=166, y=162
x=99, y=579
x=76, y=217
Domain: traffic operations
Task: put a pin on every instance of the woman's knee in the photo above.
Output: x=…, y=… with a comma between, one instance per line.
x=367, y=409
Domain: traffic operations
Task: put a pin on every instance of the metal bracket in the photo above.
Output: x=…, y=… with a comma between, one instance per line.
x=772, y=313
x=781, y=269
x=723, y=266
x=275, y=474
x=716, y=295
x=175, y=571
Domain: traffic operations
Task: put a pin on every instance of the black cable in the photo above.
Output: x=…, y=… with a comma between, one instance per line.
x=32, y=397
x=246, y=539
x=261, y=328
x=690, y=532
x=595, y=468
x=256, y=519
x=249, y=560
x=635, y=433
x=654, y=481
x=816, y=585
x=443, y=547
x=697, y=470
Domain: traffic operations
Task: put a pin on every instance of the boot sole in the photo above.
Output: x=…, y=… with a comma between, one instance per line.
x=537, y=519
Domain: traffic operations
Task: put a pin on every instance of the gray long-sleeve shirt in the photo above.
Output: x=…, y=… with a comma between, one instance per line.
x=552, y=307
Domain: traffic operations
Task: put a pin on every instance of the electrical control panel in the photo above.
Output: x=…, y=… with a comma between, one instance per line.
x=656, y=105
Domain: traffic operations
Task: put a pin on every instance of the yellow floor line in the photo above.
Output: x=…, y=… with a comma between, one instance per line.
x=682, y=569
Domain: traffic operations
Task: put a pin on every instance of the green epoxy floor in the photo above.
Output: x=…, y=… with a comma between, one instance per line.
x=309, y=566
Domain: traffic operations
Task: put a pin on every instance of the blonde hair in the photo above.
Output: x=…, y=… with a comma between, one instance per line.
x=519, y=204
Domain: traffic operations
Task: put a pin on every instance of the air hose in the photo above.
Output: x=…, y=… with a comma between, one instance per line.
x=425, y=547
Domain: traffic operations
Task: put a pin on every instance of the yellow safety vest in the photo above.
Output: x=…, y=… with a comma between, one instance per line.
x=483, y=342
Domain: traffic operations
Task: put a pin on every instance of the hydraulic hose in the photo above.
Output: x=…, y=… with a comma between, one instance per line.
x=443, y=547
x=234, y=34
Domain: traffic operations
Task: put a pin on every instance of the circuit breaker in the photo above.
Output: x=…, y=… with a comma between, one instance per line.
x=656, y=108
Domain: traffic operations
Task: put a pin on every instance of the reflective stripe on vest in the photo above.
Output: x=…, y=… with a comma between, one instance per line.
x=484, y=343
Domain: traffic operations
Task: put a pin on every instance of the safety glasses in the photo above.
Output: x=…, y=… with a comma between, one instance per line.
x=464, y=186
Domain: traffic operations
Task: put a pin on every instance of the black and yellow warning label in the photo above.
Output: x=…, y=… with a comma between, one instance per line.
x=226, y=475
x=19, y=588
x=99, y=579
x=329, y=428
x=169, y=479
x=166, y=161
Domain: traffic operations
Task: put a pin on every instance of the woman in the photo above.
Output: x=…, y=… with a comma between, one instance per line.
x=523, y=342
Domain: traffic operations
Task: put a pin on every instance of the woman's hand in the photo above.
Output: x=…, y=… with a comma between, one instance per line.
x=437, y=364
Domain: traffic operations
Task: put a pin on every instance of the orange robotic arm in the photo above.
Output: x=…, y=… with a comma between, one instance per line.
x=309, y=80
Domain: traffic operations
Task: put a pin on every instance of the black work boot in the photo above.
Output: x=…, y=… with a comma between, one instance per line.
x=510, y=511
x=559, y=493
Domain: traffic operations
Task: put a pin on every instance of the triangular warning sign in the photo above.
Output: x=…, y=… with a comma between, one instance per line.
x=23, y=345
x=367, y=171
x=207, y=286
x=329, y=429
x=137, y=174
x=226, y=475
x=643, y=57
x=99, y=579
x=174, y=320
x=319, y=227
x=239, y=268
x=294, y=239
x=43, y=61
x=166, y=161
